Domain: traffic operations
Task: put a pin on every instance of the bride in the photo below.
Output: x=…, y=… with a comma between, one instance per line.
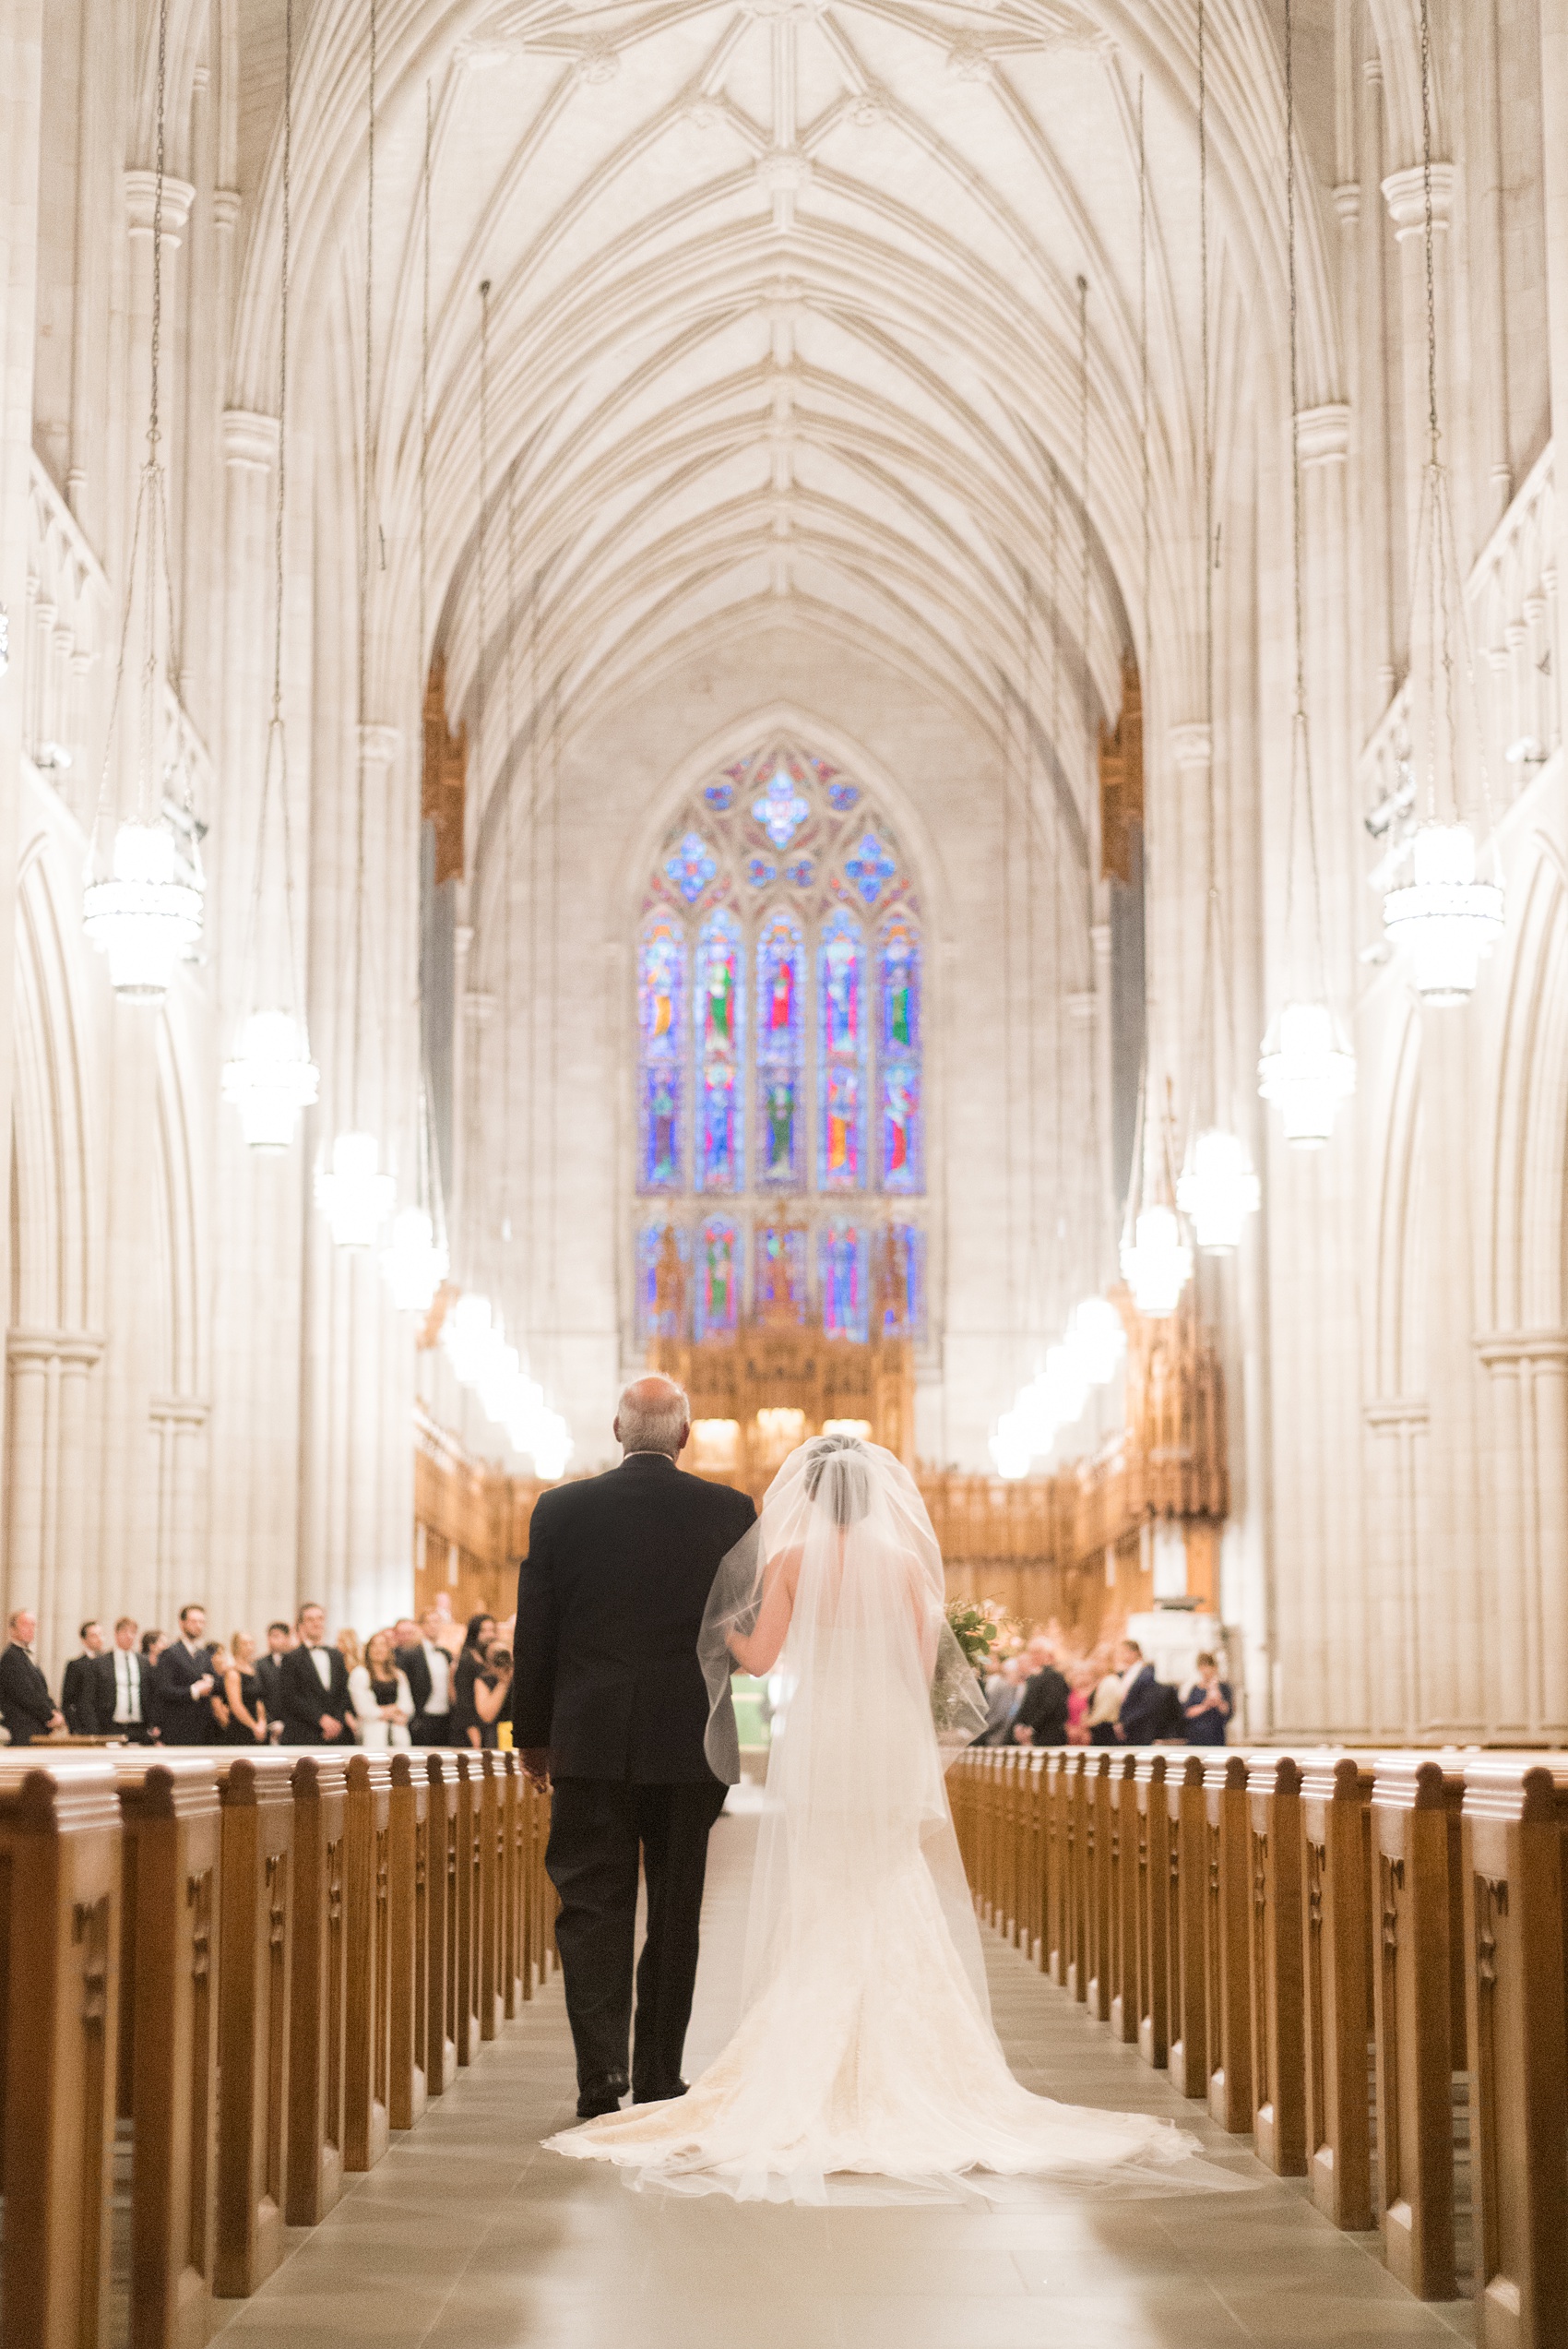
x=865, y=2044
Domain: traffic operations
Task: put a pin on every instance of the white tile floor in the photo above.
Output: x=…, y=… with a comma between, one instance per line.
x=468, y=2236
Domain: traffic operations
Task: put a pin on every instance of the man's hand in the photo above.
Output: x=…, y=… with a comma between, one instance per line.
x=330, y=1725
x=1022, y=1736
x=57, y=1719
x=203, y=1687
x=536, y=1766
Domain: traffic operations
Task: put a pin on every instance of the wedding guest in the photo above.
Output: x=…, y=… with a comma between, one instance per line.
x=220, y=1662
x=1208, y=1705
x=122, y=1689
x=315, y=1686
x=467, y=1719
x=76, y=1688
x=347, y=1646
x=269, y=1669
x=493, y=1691
x=248, y=1716
x=1105, y=1704
x=26, y=1705
x=1042, y=1717
x=1004, y=1693
x=379, y=1690
x=1080, y=1689
x=152, y=1646
x=1146, y=1702
x=449, y=1632
x=183, y=1683
x=429, y=1670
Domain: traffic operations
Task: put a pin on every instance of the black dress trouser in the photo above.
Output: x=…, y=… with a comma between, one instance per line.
x=598, y=1826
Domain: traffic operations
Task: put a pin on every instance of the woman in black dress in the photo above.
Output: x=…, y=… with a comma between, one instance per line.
x=246, y=1725
x=467, y=1725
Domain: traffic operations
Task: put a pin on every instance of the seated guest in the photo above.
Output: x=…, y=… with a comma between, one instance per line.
x=1042, y=1717
x=26, y=1705
x=429, y=1669
x=76, y=1688
x=315, y=1686
x=465, y=1721
x=268, y=1670
x=122, y=1689
x=241, y=1694
x=1208, y=1707
x=379, y=1690
x=183, y=1684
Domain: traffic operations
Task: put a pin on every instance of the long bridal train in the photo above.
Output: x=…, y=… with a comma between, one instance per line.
x=865, y=2066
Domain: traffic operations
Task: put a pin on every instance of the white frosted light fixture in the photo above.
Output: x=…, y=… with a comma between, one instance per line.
x=414, y=1263
x=1035, y=1419
x=1446, y=917
x=1066, y=1386
x=1307, y=1068
x=1097, y=1337
x=271, y=1078
x=463, y=1336
x=355, y=1198
x=1156, y=1263
x=552, y=1447
x=1218, y=1190
x=144, y=918
x=1010, y=1449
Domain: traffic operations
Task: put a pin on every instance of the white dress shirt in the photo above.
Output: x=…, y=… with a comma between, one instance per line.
x=440, y=1698
x=127, y=1689
x=322, y=1659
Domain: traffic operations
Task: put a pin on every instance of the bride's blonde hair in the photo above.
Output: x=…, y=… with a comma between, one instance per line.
x=838, y=1477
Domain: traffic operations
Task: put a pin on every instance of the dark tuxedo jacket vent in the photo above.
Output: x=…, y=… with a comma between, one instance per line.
x=304, y=1698
x=103, y=1691
x=610, y=1601
x=25, y=1705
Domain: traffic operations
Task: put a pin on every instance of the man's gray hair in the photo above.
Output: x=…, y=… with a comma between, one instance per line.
x=652, y=1415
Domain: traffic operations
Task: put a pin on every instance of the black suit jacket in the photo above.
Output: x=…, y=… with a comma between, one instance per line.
x=101, y=1692
x=1144, y=1708
x=305, y=1700
x=415, y=1666
x=270, y=1672
x=610, y=1601
x=25, y=1705
x=77, y=1697
x=1044, y=1707
x=185, y=1720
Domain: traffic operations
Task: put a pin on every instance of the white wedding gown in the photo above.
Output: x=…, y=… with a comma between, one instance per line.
x=866, y=2050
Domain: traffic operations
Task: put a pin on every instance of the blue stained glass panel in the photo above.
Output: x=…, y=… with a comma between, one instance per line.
x=841, y=1279
x=660, y=1004
x=719, y=1279
x=780, y=1053
x=720, y=797
x=691, y=865
x=778, y=1277
x=899, y=1058
x=718, y=1017
x=782, y=808
x=801, y=872
x=870, y=868
x=759, y=871
x=841, y=797
x=664, y=1281
x=841, y=1054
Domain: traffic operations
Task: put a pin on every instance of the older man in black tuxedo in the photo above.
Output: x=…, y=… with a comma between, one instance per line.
x=609, y=1701
x=26, y=1705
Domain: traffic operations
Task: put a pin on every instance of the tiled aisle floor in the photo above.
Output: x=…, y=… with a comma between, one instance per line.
x=467, y=2236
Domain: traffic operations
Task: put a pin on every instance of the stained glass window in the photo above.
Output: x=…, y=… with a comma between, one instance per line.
x=870, y=867
x=661, y=1152
x=782, y=808
x=841, y=1054
x=719, y=1010
x=779, y=1276
x=841, y=797
x=841, y=1277
x=691, y=865
x=780, y=1054
x=899, y=1282
x=899, y=1058
x=664, y=1256
x=719, y=1278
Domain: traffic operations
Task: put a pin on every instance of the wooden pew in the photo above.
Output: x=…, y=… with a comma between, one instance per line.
x=1126, y=1885
x=465, y=1976
x=1227, y=1940
x=317, y=1989
x=367, y=1952
x=1419, y=1967
x=1336, y=2008
x=1274, y=1804
x=1054, y=1807
x=1514, y=1825
x=59, y=1866
x=1035, y=1857
x=1153, y=1912
x=254, y=1945
x=1186, y=1876
x=1094, y=1878
x=1074, y=1840
x=488, y=1919
x=511, y=1883
x=441, y=1931
x=409, y=1937
x=169, y=2052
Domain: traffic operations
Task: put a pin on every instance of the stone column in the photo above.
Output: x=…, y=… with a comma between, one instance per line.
x=1554, y=151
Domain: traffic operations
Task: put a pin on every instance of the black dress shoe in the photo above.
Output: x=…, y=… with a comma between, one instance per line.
x=599, y=2097
x=659, y=2095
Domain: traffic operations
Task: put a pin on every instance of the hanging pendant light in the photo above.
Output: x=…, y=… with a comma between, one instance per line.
x=353, y=1194
x=1158, y=1264
x=146, y=915
x=272, y=1079
x=413, y=1264
x=1447, y=917
x=1011, y=1449
x=1305, y=1067
x=1218, y=1191
x=1099, y=1340
x=463, y=1335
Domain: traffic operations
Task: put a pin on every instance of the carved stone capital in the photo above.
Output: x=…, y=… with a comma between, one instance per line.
x=142, y=194
x=1323, y=434
x=1405, y=194
x=250, y=439
x=1191, y=745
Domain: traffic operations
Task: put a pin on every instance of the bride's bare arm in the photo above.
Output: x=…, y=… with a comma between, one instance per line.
x=758, y=1650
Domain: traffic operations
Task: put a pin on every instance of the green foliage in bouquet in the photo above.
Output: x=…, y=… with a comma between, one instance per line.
x=978, y=1625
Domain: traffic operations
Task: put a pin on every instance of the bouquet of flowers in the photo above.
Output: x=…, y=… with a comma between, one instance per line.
x=978, y=1625
x=970, y=1633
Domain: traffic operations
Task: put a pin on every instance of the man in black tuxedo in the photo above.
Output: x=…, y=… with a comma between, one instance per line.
x=1145, y=1699
x=123, y=1695
x=270, y=1667
x=26, y=1705
x=76, y=1688
x=183, y=1684
x=315, y=1683
x=610, y=1705
x=1043, y=1712
x=428, y=1669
